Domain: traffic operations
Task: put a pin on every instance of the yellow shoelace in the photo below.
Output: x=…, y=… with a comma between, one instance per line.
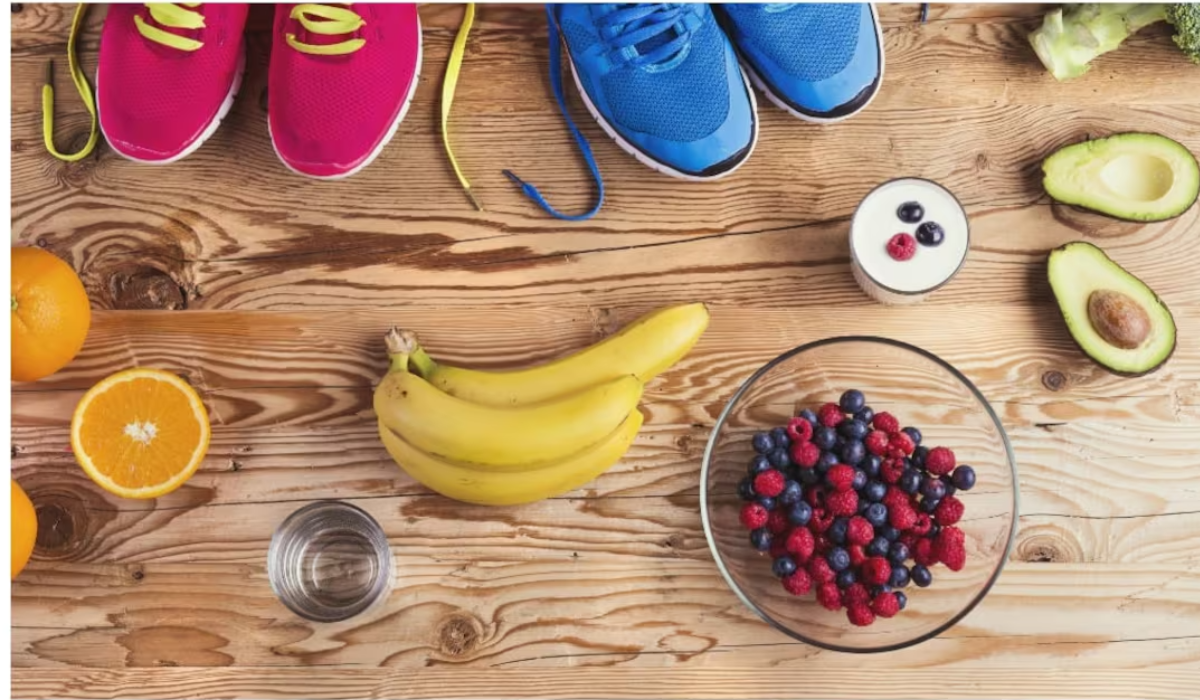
x=453, y=67
x=326, y=20
x=85, y=93
x=175, y=15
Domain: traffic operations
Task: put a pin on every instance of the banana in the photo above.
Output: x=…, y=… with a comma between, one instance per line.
x=468, y=483
x=501, y=439
x=644, y=348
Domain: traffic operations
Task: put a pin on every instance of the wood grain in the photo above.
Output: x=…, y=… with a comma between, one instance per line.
x=269, y=293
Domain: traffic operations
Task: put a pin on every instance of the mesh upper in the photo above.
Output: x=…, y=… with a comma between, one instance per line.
x=810, y=42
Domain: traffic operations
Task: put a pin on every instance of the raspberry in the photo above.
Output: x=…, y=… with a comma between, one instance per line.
x=909, y=539
x=950, y=549
x=923, y=552
x=800, y=543
x=820, y=572
x=902, y=517
x=842, y=503
x=805, y=454
x=798, y=583
x=830, y=415
x=885, y=604
x=949, y=511
x=860, y=615
x=902, y=442
x=753, y=516
x=902, y=246
x=856, y=594
x=923, y=525
x=940, y=460
x=876, y=571
x=857, y=555
x=892, y=470
x=777, y=522
x=814, y=497
x=821, y=520
x=769, y=483
x=829, y=596
x=895, y=497
x=877, y=442
x=840, y=477
x=822, y=546
x=777, y=548
x=886, y=422
x=859, y=531
x=799, y=430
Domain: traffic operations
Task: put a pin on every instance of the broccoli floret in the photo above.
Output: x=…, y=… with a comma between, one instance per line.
x=1068, y=41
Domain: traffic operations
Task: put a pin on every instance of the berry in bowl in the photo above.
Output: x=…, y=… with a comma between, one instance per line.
x=859, y=494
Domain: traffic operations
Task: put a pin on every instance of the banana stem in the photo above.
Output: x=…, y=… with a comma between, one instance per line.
x=400, y=345
x=422, y=362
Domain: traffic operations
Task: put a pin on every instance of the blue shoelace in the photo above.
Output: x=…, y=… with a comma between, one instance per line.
x=645, y=26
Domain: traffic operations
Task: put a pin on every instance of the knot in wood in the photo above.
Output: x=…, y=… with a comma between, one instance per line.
x=68, y=519
x=1049, y=545
x=1054, y=380
x=458, y=635
x=145, y=288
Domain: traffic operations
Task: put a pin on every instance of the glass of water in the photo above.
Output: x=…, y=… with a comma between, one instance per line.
x=329, y=561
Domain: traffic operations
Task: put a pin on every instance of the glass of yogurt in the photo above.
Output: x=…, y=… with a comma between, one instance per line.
x=908, y=237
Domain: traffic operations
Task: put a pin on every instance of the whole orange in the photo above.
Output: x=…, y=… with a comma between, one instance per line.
x=50, y=314
x=24, y=528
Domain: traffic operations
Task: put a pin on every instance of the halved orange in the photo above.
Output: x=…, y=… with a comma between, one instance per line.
x=140, y=433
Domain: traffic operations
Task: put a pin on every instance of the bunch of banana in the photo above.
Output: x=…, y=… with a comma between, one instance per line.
x=504, y=438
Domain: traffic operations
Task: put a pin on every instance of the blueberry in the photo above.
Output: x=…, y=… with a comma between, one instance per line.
x=767, y=502
x=762, y=442
x=808, y=477
x=930, y=504
x=760, y=539
x=931, y=234
x=900, y=576
x=826, y=461
x=910, y=481
x=876, y=514
x=891, y=533
x=838, y=558
x=951, y=489
x=824, y=437
x=871, y=464
x=746, y=489
x=919, y=455
x=759, y=463
x=898, y=552
x=837, y=531
x=901, y=599
x=808, y=415
x=921, y=576
x=783, y=566
x=914, y=434
x=878, y=547
x=838, y=442
x=860, y=480
x=780, y=437
x=934, y=531
x=853, y=452
x=800, y=514
x=863, y=505
x=910, y=212
x=932, y=488
x=963, y=477
x=877, y=591
x=852, y=401
x=846, y=578
x=792, y=493
x=850, y=428
x=875, y=491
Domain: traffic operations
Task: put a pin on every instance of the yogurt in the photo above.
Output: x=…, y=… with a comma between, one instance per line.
x=877, y=220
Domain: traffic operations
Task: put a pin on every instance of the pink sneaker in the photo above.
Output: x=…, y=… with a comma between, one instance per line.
x=340, y=83
x=168, y=75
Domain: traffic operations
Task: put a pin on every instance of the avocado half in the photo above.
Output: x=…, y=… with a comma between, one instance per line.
x=1113, y=316
x=1135, y=176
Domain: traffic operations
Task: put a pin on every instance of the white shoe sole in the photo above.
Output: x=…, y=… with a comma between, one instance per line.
x=412, y=90
x=782, y=104
x=204, y=135
x=647, y=160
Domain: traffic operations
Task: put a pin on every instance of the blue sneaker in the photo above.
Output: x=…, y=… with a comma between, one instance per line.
x=821, y=62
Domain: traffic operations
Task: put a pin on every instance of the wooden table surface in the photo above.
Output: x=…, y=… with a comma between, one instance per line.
x=270, y=292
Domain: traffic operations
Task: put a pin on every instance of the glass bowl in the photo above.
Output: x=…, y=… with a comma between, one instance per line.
x=921, y=390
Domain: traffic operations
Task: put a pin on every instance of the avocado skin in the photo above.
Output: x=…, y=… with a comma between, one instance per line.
x=1173, y=213
x=1157, y=300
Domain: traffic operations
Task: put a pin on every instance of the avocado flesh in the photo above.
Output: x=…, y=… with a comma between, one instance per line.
x=1137, y=177
x=1076, y=271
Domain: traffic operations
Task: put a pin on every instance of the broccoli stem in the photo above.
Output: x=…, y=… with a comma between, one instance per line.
x=1067, y=42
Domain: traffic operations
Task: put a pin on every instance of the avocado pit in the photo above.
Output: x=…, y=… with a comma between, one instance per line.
x=1118, y=319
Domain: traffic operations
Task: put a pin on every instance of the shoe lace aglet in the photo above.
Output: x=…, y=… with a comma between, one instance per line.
x=475, y=202
x=49, y=73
